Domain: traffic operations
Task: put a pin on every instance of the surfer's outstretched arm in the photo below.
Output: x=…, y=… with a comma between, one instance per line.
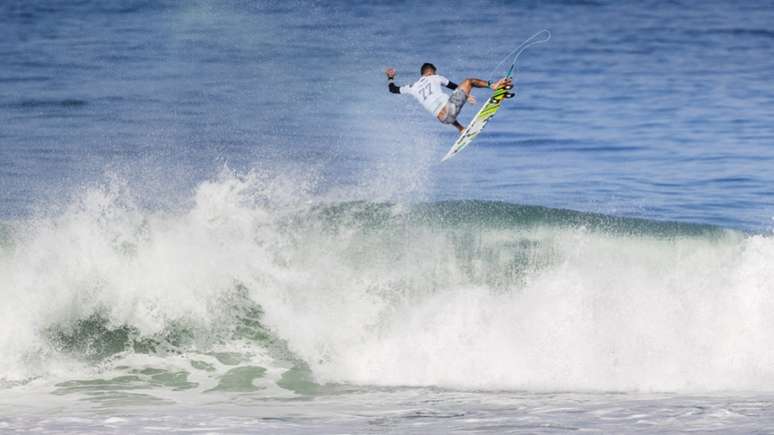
x=390, y=72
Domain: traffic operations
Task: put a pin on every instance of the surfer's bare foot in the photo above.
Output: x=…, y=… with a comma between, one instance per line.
x=459, y=126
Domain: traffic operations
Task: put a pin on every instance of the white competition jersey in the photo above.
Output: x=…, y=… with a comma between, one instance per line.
x=427, y=90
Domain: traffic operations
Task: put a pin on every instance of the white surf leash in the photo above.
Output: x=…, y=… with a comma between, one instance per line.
x=538, y=38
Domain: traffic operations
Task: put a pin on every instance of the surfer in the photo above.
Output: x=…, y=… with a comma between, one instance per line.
x=427, y=90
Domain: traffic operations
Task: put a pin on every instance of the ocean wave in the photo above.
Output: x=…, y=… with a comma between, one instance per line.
x=464, y=294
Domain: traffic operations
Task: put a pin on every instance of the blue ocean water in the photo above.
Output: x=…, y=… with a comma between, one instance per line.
x=217, y=206
x=647, y=109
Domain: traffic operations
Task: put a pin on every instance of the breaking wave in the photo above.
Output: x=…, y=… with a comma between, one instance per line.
x=462, y=294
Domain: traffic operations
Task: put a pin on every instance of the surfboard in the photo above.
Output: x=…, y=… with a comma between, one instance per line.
x=479, y=121
x=494, y=102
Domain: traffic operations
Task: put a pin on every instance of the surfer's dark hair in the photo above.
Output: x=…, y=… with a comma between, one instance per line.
x=427, y=66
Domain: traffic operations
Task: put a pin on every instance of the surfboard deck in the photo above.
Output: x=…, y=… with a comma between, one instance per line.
x=479, y=121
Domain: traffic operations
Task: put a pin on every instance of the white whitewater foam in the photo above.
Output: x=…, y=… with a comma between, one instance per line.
x=591, y=311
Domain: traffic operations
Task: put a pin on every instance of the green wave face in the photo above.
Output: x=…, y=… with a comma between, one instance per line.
x=241, y=298
x=482, y=215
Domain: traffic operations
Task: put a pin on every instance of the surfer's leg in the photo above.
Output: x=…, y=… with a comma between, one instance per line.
x=468, y=84
x=459, y=126
x=449, y=112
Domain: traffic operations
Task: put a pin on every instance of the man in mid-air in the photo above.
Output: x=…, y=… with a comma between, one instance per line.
x=427, y=90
